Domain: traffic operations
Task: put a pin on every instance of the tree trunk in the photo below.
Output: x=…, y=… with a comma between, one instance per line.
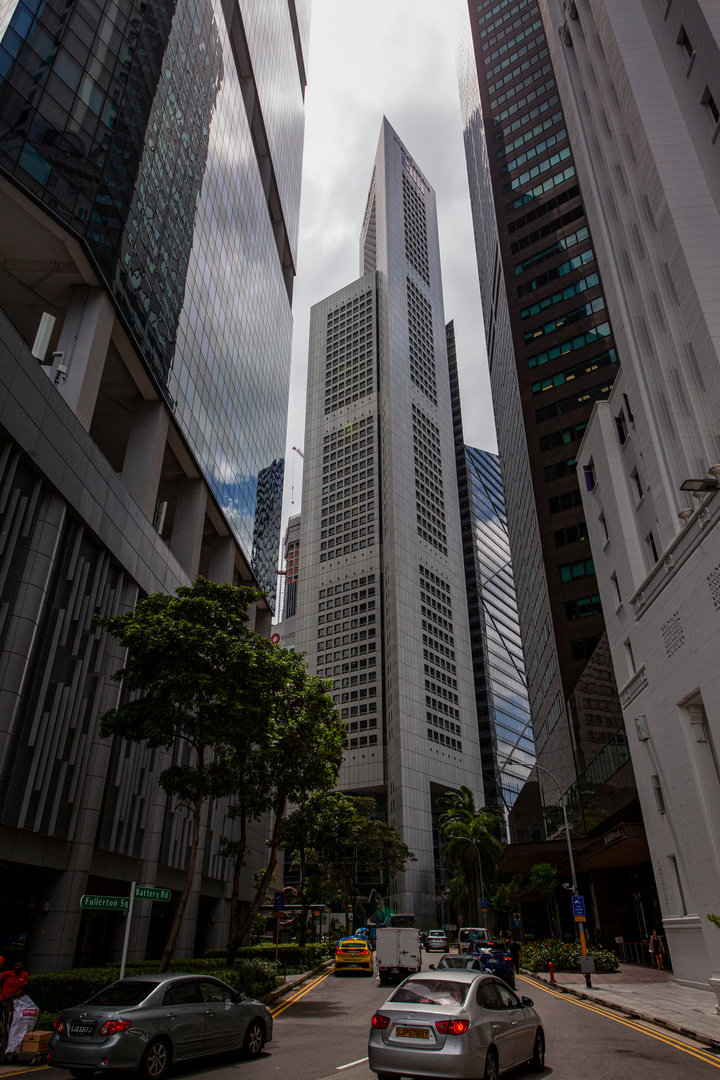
x=235, y=896
x=187, y=889
x=302, y=935
x=247, y=922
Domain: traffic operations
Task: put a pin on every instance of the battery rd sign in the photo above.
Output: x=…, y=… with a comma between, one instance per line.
x=149, y=892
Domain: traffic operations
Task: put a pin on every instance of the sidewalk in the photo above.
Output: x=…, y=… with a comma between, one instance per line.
x=650, y=995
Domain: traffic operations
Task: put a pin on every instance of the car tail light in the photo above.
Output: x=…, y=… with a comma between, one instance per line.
x=452, y=1027
x=508, y=958
x=380, y=1021
x=114, y=1027
x=59, y=1025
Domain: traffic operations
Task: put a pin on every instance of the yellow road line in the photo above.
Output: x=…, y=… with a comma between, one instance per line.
x=635, y=1025
x=296, y=997
x=23, y=1072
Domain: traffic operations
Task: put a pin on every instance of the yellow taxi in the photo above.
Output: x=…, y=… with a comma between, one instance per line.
x=353, y=954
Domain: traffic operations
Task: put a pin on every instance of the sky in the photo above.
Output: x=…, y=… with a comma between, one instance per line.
x=370, y=58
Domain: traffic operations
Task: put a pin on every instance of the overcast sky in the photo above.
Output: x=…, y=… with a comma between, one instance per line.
x=369, y=58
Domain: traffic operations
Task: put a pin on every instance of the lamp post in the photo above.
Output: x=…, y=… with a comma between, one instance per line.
x=477, y=850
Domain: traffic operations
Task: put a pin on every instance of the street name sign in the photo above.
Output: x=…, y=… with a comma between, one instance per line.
x=149, y=892
x=104, y=903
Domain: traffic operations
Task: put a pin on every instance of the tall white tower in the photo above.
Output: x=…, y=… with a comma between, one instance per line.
x=381, y=604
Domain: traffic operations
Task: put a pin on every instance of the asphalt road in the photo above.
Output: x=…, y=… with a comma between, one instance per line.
x=321, y=1032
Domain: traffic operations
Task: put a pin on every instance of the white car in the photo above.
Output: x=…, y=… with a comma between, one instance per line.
x=436, y=939
x=460, y=1024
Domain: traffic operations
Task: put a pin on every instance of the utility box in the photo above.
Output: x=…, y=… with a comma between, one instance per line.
x=397, y=952
x=587, y=965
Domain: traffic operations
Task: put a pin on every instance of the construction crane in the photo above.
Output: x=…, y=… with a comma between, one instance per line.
x=292, y=483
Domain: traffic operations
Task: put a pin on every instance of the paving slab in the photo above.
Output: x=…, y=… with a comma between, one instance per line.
x=649, y=995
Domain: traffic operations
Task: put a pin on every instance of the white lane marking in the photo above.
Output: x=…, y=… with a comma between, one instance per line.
x=350, y=1064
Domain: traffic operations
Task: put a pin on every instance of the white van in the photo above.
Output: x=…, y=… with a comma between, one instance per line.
x=397, y=952
x=467, y=935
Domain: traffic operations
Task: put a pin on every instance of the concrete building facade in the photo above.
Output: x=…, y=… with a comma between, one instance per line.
x=640, y=86
x=149, y=193
x=382, y=608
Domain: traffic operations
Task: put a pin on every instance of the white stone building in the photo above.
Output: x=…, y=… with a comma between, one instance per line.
x=639, y=83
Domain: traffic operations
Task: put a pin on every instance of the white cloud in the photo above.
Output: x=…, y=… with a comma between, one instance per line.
x=369, y=59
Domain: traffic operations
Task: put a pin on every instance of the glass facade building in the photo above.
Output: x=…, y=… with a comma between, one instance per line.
x=167, y=137
x=150, y=164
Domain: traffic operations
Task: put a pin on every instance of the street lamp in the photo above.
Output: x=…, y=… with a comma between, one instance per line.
x=540, y=768
x=477, y=849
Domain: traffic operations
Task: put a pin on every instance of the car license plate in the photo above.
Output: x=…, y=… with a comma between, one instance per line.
x=81, y=1029
x=412, y=1033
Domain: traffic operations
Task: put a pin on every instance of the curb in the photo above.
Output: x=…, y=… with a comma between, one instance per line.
x=274, y=995
x=635, y=1014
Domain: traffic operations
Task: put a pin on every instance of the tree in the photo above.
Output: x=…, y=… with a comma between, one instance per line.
x=300, y=749
x=544, y=879
x=461, y=822
x=187, y=657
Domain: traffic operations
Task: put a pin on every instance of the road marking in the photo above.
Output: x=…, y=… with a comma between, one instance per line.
x=23, y=1072
x=296, y=997
x=635, y=1025
x=350, y=1064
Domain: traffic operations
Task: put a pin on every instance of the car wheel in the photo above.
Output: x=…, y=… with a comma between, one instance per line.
x=492, y=1070
x=254, y=1039
x=538, y=1058
x=156, y=1060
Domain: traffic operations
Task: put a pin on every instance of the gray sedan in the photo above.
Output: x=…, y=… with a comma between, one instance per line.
x=149, y=1021
x=454, y=1023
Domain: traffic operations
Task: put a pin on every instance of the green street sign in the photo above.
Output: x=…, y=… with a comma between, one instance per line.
x=149, y=892
x=105, y=903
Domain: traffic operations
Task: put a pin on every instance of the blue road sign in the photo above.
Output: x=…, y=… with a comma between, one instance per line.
x=279, y=901
x=483, y=903
x=516, y=918
x=579, y=907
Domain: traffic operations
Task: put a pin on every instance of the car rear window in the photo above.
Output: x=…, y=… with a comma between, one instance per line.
x=122, y=995
x=431, y=992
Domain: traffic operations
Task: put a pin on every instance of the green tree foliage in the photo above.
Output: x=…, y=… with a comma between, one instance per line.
x=461, y=821
x=186, y=655
x=544, y=879
x=241, y=716
x=715, y=919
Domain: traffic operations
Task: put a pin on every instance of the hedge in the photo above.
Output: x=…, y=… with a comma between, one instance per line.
x=565, y=956
x=304, y=957
x=54, y=991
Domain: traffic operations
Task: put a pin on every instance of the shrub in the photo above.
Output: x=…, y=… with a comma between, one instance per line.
x=565, y=956
x=54, y=991
x=302, y=957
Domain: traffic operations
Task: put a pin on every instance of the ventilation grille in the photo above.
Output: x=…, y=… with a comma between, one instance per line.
x=714, y=586
x=673, y=635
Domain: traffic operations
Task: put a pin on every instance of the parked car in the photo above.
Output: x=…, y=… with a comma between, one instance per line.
x=495, y=958
x=460, y=1024
x=148, y=1022
x=458, y=963
x=436, y=939
x=353, y=954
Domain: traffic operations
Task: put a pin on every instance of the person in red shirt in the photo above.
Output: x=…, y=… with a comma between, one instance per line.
x=12, y=986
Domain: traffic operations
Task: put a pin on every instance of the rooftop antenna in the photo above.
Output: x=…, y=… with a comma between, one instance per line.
x=292, y=486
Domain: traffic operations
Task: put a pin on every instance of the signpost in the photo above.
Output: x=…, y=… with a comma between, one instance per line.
x=516, y=918
x=125, y=903
x=578, y=903
x=483, y=903
x=278, y=911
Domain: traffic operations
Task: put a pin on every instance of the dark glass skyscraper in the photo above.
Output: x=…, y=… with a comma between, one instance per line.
x=506, y=737
x=150, y=162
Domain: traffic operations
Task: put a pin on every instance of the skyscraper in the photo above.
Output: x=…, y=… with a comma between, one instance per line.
x=552, y=354
x=381, y=602
x=641, y=83
x=150, y=158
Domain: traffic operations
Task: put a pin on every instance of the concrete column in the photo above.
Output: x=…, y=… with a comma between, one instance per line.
x=24, y=621
x=144, y=455
x=221, y=566
x=187, y=530
x=84, y=341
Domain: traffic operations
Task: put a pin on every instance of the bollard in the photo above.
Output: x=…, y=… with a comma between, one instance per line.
x=551, y=967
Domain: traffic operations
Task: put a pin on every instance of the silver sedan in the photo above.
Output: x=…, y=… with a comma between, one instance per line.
x=452, y=1023
x=149, y=1021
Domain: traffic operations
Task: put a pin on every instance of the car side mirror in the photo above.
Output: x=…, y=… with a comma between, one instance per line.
x=432, y=967
x=527, y=1002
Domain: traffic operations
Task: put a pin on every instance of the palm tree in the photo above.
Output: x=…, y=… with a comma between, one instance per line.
x=466, y=827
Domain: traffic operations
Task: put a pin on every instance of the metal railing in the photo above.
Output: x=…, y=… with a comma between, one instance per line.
x=638, y=952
